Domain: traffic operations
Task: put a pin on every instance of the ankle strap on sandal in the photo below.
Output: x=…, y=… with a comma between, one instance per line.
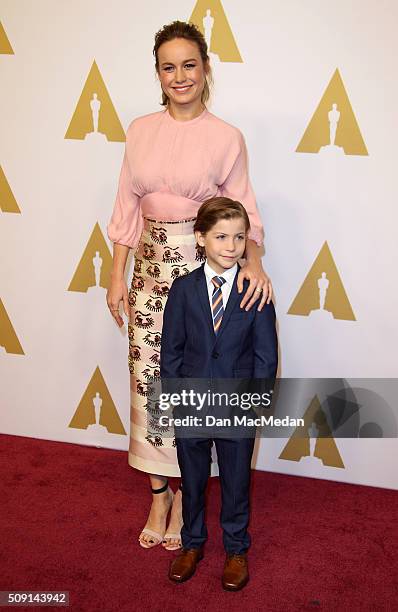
x=162, y=489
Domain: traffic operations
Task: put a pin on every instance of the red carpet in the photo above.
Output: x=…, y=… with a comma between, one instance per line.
x=71, y=515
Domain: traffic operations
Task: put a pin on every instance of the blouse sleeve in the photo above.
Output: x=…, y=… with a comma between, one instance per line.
x=126, y=223
x=237, y=186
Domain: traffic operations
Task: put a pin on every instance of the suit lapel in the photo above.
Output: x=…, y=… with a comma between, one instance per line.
x=201, y=287
x=233, y=297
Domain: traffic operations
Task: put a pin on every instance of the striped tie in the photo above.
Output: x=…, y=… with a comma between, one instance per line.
x=216, y=302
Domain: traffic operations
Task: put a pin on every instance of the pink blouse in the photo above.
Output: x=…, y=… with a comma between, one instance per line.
x=171, y=167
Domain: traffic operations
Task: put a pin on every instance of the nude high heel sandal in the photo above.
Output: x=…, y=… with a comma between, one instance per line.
x=158, y=537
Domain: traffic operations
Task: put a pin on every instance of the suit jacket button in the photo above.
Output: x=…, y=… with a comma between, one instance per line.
x=215, y=354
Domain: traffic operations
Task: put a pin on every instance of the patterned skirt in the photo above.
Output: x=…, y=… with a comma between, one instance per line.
x=166, y=251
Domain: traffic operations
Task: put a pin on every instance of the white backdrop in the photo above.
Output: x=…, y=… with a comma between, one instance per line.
x=63, y=185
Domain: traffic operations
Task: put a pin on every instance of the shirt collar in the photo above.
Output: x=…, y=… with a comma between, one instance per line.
x=229, y=275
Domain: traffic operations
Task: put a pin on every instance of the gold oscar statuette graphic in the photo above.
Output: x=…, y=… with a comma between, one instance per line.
x=322, y=294
x=94, y=268
x=313, y=441
x=333, y=129
x=96, y=410
x=8, y=202
x=95, y=117
x=210, y=18
x=5, y=46
x=8, y=337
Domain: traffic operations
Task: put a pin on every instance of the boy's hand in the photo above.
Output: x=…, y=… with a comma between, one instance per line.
x=260, y=285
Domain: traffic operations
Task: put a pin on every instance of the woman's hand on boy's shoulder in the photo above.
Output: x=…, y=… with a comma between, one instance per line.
x=260, y=285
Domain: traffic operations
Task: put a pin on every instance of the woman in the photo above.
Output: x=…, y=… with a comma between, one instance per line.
x=174, y=160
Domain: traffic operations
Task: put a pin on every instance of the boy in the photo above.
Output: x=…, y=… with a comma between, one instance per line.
x=207, y=335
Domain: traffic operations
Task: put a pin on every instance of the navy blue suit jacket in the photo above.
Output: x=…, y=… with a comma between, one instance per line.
x=245, y=346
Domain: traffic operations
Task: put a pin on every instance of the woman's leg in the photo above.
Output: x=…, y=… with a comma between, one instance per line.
x=162, y=498
x=172, y=539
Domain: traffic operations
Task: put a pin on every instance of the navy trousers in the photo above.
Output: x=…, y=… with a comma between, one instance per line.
x=234, y=460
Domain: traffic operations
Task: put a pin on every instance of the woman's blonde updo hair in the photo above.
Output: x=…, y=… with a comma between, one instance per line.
x=189, y=31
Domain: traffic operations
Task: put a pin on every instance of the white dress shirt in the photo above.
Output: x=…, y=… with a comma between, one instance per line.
x=229, y=276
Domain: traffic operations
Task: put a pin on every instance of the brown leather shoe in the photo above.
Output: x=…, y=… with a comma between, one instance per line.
x=184, y=565
x=236, y=572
